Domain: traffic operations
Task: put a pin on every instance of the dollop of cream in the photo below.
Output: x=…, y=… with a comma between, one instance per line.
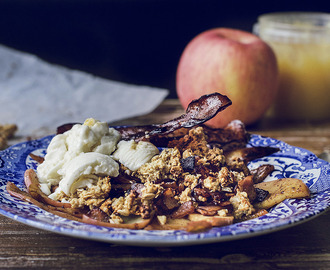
x=84, y=169
x=77, y=157
x=133, y=155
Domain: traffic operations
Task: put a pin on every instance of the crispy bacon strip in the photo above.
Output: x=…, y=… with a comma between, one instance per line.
x=198, y=111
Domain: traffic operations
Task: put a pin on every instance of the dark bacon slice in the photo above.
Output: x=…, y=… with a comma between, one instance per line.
x=231, y=137
x=198, y=112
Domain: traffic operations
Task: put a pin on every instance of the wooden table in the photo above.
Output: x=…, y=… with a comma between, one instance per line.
x=305, y=246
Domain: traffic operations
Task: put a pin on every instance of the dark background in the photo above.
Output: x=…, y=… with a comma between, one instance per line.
x=133, y=41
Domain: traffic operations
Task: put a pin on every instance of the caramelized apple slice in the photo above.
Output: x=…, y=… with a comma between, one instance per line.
x=33, y=186
x=281, y=189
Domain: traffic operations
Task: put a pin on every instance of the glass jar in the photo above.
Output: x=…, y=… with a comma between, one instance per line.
x=301, y=42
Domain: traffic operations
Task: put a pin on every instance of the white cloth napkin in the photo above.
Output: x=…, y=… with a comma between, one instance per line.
x=38, y=96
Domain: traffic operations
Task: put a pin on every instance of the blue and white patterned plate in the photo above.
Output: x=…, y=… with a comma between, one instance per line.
x=289, y=162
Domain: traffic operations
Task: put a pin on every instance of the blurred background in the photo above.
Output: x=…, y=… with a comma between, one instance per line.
x=132, y=41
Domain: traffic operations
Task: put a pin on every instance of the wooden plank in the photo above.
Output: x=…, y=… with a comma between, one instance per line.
x=23, y=246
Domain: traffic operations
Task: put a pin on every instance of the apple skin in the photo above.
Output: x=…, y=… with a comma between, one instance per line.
x=234, y=63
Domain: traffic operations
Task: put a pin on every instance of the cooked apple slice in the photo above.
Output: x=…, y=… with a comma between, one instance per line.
x=281, y=189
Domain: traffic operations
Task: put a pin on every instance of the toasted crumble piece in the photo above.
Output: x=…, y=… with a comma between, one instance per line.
x=212, y=183
x=226, y=177
x=125, y=206
x=62, y=197
x=6, y=132
x=116, y=219
x=191, y=180
x=162, y=219
x=238, y=165
x=3, y=142
x=195, y=140
x=221, y=181
x=241, y=205
x=195, y=144
x=185, y=196
x=166, y=165
x=223, y=213
x=150, y=191
x=106, y=206
x=238, y=176
x=211, y=156
x=133, y=203
x=92, y=196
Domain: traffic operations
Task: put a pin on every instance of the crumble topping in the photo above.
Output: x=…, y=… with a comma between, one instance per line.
x=186, y=175
x=166, y=165
x=241, y=204
x=92, y=196
x=197, y=171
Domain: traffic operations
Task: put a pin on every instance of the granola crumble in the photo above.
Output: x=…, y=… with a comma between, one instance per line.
x=6, y=132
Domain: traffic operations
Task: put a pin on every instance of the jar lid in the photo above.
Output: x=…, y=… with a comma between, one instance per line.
x=295, y=25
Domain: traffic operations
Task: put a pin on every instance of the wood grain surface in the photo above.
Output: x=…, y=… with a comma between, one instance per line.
x=305, y=246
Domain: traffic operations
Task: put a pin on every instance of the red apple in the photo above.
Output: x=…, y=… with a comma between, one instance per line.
x=234, y=63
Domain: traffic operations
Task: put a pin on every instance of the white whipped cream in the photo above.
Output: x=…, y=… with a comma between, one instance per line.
x=77, y=157
x=84, y=169
x=133, y=155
